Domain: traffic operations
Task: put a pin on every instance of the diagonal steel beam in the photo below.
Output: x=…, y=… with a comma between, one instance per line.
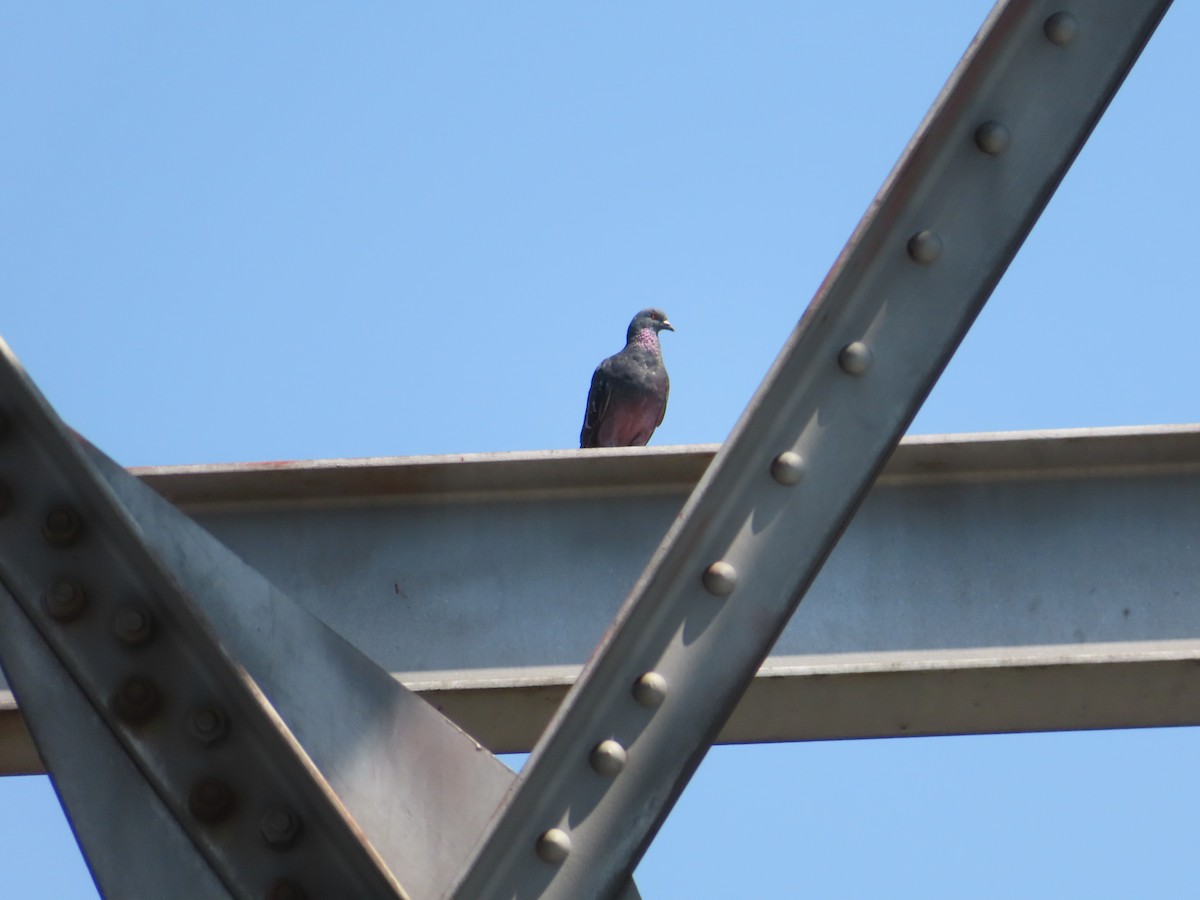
x=119, y=630
x=148, y=853
x=719, y=590
x=247, y=740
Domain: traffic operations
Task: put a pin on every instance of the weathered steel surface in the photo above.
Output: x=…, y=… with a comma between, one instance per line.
x=750, y=540
x=288, y=760
x=916, y=592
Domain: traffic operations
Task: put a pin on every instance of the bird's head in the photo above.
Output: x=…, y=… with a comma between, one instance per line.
x=654, y=319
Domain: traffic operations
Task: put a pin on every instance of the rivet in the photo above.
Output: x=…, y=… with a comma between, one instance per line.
x=62, y=526
x=1061, y=28
x=924, y=246
x=5, y=497
x=554, y=846
x=855, y=358
x=207, y=725
x=280, y=828
x=992, y=138
x=133, y=625
x=285, y=889
x=720, y=579
x=608, y=758
x=650, y=689
x=787, y=467
x=137, y=700
x=65, y=600
x=211, y=800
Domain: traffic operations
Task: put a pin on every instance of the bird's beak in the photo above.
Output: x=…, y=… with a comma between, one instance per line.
x=667, y=325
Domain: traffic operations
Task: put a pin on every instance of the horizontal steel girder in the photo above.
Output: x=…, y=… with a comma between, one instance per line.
x=989, y=583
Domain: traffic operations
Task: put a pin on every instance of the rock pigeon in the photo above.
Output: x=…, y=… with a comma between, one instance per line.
x=629, y=390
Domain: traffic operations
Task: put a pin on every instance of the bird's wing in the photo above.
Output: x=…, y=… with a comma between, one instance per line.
x=662, y=412
x=597, y=406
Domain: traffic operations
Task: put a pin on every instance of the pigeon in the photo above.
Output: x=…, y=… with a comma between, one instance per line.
x=629, y=390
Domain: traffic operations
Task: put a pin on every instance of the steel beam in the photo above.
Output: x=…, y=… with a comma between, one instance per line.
x=251, y=742
x=917, y=592
x=687, y=642
x=752, y=537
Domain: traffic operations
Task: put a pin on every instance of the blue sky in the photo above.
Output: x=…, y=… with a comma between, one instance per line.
x=300, y=231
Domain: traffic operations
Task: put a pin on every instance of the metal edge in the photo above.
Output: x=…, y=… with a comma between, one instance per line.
x=989, y=690
x=597, y=831
x=659, y=470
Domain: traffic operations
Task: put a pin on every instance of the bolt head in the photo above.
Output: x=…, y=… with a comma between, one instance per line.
x=1061, y=28
x=720, y=579
x=207, y=725
x=924, y=246
x=137, y=700
x=855, y=358
x=65, y=600
x=62, y=526
x=608, y=758
x=211, y=801
x=133, y=625
x=554, y=846
x=787, y=467
x=280, y=827
x=992, y=138
x=650, y=689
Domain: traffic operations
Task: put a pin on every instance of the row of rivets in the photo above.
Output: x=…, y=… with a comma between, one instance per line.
x=608, y=757
x=138, y=700
x=925, y=246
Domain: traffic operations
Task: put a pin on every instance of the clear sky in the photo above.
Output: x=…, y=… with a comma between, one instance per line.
x=235, y=232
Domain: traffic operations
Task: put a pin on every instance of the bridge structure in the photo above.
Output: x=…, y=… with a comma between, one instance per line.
x=209, y=646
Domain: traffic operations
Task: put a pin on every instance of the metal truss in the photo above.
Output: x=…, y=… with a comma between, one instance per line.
x=1095, y=628
x=265, y=756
